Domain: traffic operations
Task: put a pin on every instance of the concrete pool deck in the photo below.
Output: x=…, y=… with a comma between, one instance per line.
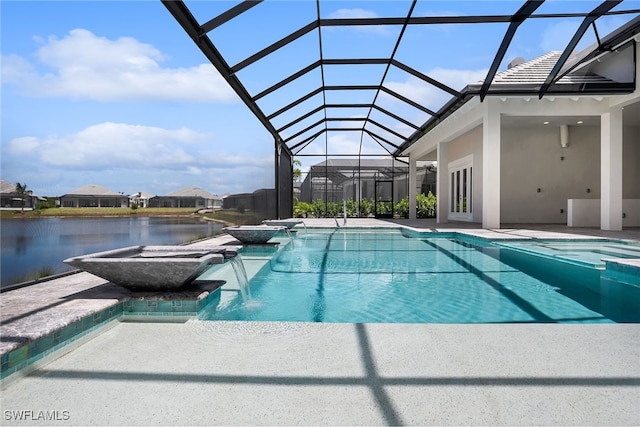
x=262, y=373
x=305, y=373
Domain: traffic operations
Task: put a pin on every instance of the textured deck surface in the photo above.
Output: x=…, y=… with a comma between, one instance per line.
x=263, y=373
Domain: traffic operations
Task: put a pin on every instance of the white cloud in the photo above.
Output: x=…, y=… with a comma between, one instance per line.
x=352, y=13
x=119, y=145
x=358, y=13
x=430, y=96
x=129, y=158
x=192, y=170
x=343, y=143
x=24, y=145
x=15, y=69
x=349, y=143
x=84, y=65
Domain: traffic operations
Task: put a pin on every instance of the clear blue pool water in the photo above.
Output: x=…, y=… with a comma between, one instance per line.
x=588, y=253
x=364, y=276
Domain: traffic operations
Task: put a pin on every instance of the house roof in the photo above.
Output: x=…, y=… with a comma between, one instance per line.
x=143, y=195
x=535, y=72
x=93, y=190
x=192, y=192
x=7, y=187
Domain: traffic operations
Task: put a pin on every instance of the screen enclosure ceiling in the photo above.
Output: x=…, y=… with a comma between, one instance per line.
x=334, y=78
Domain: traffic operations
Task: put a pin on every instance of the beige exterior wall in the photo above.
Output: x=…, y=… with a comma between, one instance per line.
x=631, y=162
x=470, y=143
x=532, y=158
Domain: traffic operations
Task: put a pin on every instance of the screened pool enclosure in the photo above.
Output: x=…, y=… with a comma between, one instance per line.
x=345, y=87
x=370, y=187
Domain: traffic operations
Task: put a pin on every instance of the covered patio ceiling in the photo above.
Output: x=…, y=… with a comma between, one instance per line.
x=335, y=78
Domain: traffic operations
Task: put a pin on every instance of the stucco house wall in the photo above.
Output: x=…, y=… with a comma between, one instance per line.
x=631, y=162
x=532, y=158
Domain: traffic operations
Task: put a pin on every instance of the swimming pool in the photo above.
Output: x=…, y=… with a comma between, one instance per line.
x=385, y=276
x=582, y=252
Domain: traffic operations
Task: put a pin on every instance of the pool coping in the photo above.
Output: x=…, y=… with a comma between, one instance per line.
x=97, y=303
x=41, y=319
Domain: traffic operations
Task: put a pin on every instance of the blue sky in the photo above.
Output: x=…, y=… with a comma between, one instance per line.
x=114, y=93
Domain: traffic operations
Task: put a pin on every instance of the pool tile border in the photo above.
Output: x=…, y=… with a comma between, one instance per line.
x=167, y=308
x=627, y=271
x=33, y=351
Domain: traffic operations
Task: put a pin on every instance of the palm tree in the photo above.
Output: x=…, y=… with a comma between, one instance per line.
x=23, y=193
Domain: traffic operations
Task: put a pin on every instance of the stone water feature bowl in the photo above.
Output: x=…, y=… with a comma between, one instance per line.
x=253, y=234
x=151, y=268
x=289, y=223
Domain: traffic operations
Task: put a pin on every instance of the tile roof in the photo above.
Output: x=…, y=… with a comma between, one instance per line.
x=535, y=71
x=7, y=187
x=93, y=190
x=192, y=192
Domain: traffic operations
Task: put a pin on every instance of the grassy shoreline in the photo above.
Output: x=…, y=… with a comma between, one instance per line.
x=226, y=217
x=99, y=212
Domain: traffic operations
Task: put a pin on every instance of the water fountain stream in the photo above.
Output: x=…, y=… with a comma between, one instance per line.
x=290, y=237
x=241, y=276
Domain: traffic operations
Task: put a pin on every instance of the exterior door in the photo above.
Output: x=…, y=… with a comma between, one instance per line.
x=384, y=199
x=460, y=189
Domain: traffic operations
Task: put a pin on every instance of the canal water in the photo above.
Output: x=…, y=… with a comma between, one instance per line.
x=30, y=246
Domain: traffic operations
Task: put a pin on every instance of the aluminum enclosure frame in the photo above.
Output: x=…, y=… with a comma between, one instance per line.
x=392, y=142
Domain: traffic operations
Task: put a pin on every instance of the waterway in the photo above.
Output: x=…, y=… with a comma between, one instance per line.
x=30, y=246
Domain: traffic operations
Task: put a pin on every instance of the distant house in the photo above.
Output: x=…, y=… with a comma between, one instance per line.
x=261, y=201
x=10, y=199
x=188, y=197
x=94, y=196
x=141, y=198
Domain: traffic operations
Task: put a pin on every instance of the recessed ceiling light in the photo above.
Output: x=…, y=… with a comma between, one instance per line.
x=580, y=122
x=545, y=123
